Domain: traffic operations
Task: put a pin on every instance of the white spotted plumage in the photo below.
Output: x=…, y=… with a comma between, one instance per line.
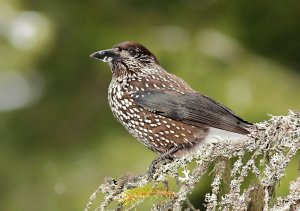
x=136, y=70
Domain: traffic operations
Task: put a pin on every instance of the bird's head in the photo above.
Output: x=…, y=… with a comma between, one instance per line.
x=127, y=57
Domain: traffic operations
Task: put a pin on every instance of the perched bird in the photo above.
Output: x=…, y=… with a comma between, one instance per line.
x=159, y=109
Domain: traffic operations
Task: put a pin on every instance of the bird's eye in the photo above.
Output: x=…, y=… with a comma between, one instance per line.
x=133, y=52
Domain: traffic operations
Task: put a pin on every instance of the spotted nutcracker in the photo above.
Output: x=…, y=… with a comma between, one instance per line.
x=161, y=110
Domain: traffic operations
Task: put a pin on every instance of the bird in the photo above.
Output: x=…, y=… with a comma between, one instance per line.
x=160, y=109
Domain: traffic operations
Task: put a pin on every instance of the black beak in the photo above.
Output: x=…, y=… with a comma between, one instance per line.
x=105, y=55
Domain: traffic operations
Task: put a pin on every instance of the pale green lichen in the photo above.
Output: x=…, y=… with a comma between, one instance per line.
x=265, y=153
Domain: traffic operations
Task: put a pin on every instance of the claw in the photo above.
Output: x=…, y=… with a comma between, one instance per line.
x=166, y=156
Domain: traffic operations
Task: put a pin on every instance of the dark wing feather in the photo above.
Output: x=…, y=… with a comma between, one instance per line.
x=191, y=108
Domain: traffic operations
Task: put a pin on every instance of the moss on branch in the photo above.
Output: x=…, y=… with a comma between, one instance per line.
x=264, y=154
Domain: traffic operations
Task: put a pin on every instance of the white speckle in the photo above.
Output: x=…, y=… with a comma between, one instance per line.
x=119, y=94
x=182, y=134
x=172, y=131
x=177, y=136
x=168, y=126
x=163, y=143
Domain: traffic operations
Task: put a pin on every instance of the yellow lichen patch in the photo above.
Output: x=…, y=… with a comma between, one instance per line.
x=141, y=193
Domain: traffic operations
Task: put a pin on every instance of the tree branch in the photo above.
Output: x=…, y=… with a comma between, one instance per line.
x=265, y=153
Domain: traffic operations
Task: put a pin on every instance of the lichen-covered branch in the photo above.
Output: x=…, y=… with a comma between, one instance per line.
x=265, y=153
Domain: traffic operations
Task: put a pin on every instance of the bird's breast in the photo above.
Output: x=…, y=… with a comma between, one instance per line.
x=156, y=131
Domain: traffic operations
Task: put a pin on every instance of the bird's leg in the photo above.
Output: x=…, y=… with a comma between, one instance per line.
x=163, y=156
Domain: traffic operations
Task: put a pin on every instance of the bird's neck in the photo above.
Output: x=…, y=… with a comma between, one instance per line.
x=123, y=70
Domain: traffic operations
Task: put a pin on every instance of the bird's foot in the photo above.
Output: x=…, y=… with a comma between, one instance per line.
x=162, y=159
x=154, y=164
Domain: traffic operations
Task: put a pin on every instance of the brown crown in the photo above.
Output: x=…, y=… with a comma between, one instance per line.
x=126, y=45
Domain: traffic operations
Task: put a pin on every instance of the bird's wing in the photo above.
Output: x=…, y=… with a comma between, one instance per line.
x=191, y=108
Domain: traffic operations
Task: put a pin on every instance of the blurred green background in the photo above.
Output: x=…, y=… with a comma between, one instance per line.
x=58, y=138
